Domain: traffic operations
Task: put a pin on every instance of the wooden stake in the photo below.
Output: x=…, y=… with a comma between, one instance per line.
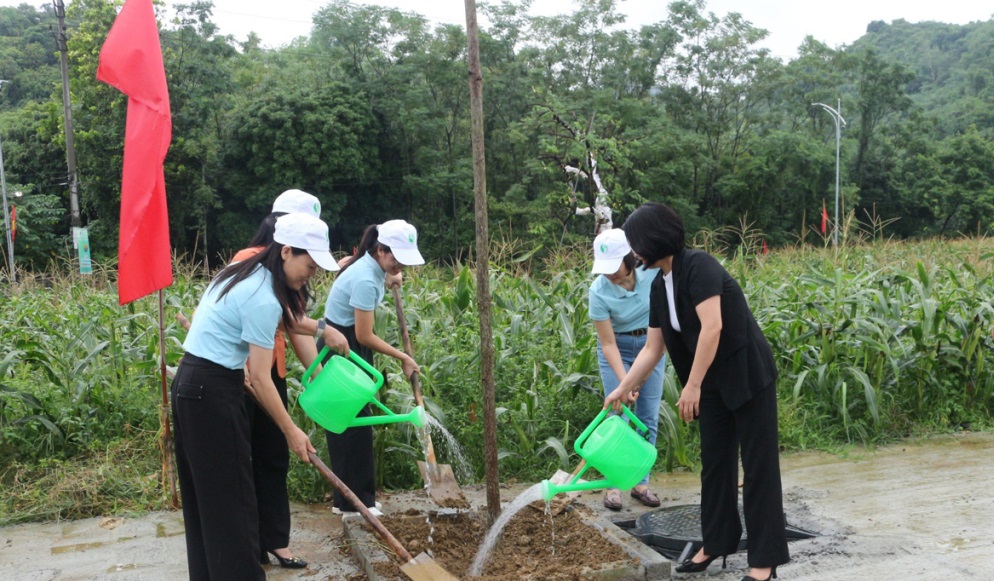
x=166, y=437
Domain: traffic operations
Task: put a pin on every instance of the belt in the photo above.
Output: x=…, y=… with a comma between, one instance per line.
x=635, y=333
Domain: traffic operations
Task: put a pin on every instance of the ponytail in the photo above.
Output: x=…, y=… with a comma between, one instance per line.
x=368, y=245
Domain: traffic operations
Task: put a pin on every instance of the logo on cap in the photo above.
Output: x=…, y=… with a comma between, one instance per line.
x=603, y=247
x=410, y=238
x=317, y=208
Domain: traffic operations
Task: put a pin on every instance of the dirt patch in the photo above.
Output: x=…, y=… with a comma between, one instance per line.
x=533, y=546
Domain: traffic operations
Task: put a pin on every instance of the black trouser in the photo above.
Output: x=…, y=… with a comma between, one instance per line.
x=754, y=426
x=214, y=464
x=270, y=464
x=351, y=452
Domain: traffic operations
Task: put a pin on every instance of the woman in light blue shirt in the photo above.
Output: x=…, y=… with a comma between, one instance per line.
x=237, y=320
x=383, y=253
x=619, y=307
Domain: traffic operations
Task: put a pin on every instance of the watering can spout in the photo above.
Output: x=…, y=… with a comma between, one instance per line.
x=549, y=489
x=416, y=416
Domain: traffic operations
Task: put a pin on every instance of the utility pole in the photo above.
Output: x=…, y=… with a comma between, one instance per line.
x=60, y=39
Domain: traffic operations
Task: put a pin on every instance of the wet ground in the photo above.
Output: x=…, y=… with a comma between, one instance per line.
x=918, y=510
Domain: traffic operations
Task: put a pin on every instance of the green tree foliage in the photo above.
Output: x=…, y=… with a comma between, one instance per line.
x=28, y=61
x=369, y=112
x=317, y=141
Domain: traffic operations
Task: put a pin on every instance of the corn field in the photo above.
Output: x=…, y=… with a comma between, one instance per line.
x=873, y=342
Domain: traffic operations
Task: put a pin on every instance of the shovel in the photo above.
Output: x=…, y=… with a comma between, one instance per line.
x=420, y=568
x=441, y=482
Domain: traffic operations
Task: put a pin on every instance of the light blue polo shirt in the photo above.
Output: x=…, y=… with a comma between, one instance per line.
x=249, y=314
x=361, y=286
x=627, y=310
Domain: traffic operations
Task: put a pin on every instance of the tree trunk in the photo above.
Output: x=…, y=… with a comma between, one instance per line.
x=482, y=264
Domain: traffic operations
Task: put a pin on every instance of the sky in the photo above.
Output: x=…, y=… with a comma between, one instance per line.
x=836, y=23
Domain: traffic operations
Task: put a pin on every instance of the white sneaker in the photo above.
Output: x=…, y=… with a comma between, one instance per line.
x=374, y=509
x=377, y=504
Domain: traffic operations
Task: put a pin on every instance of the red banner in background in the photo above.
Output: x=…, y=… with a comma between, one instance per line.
x=131, y=61
x=13, y=222
x=824, y=218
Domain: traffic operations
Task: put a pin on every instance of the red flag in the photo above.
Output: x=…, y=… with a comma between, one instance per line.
x=131, y=61
x=13, y=222
x=824, y=219
x=765, y=249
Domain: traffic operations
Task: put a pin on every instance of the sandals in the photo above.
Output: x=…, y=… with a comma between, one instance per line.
x=645, y=496
x=612, y=500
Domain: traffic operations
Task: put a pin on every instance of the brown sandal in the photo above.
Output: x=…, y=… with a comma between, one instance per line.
x=646, y=497
x=612, y=500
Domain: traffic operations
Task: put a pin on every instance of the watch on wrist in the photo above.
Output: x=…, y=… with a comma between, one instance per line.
x=321, y=325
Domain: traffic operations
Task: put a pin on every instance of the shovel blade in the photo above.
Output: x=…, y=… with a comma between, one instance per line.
x=424, y=568
x=560, y=477
x=442, y=485
x=560, y=501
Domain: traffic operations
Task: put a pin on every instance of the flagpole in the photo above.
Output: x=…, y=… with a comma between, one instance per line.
x=166, y=438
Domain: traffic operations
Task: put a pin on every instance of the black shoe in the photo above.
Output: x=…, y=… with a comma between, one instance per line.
x=291, y=563
x=773, y=575
x=689, y=566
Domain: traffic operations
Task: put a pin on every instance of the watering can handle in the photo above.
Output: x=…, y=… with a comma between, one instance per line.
x=631, y=415
x=578, y=444
x=353, y=356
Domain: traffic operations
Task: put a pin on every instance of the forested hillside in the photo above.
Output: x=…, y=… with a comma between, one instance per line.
x=953, y=67
x=370, y=113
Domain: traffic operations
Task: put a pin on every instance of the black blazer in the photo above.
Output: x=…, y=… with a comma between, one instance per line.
x=743, y=364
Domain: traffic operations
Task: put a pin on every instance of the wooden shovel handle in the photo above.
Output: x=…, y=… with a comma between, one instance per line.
x=415, y=382
x=370, y=518
x=577, y=470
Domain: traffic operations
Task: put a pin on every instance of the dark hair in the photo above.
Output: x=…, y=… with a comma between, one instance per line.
x=293, y=302
x=654, y=231
x=267, y=229
x=367, y=245
x=630, y=261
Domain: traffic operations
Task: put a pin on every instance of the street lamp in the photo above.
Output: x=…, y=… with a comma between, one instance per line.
x=839, y=124
x=6, y=213
x=6, y=219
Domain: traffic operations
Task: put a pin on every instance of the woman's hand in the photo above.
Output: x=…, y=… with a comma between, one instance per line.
x=334, y=339
x=299, y=443
x=689, y=403
x=617, y=398
x=394, y=280
x=410, y=366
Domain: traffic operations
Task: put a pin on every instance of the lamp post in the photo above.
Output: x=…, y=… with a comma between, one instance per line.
x=6, y=213
x=839, y=124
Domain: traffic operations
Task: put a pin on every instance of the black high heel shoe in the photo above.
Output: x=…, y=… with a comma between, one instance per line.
x=291, y=563
x=773, y=575
x=689, y=566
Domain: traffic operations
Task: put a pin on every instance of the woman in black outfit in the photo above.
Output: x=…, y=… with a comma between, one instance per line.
x=698, y=311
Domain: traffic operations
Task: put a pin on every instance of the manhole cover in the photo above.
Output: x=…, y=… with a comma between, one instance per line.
x=675, y=529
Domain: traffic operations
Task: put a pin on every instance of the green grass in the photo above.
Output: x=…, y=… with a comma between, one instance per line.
x=874, y=342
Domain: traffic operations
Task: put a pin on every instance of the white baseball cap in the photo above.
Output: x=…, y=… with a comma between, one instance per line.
x=402, y=238
x=610, y=248
x=296, y=201
x=307, y=233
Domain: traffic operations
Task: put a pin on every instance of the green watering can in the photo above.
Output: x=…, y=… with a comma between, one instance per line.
x=615, y=449
x=342, y=389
